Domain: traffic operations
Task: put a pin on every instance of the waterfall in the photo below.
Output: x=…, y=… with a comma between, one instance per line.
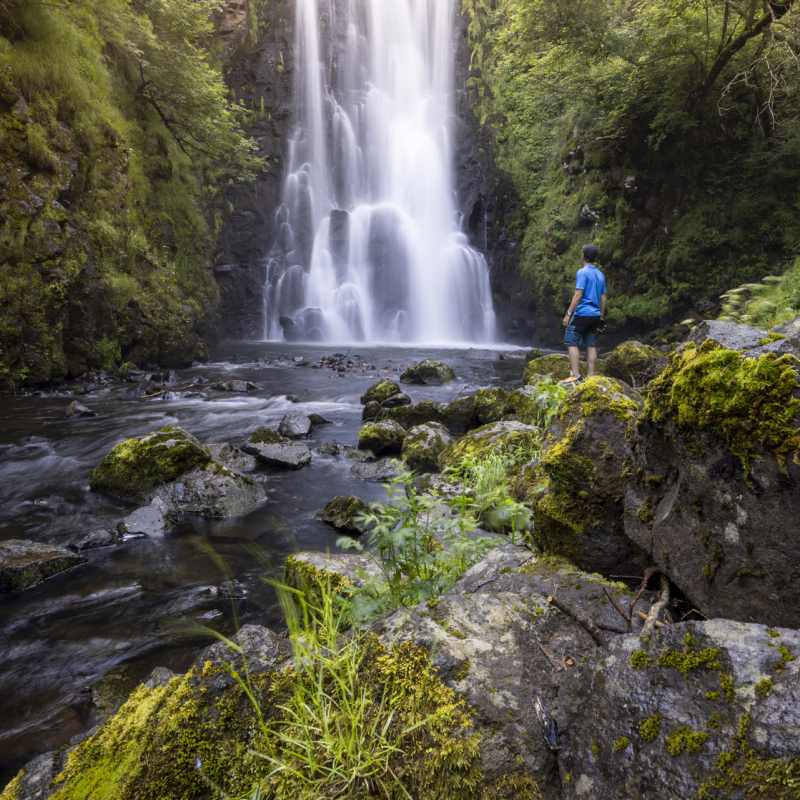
x=369, y=246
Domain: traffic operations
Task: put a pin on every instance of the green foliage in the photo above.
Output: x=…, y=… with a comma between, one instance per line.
x=674, y=123
x=108, y=351
x=773, y=301
x=406, y=544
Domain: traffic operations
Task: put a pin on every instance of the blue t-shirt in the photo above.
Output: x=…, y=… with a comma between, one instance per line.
x=593, y=283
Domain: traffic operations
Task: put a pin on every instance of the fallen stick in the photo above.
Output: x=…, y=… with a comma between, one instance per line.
x=580, y=617
x=657, y=609
x=642, y=615
x=164, y=391
x=605, y=626
x=550, y=657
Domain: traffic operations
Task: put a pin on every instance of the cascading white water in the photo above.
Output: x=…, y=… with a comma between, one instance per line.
x=369, y=246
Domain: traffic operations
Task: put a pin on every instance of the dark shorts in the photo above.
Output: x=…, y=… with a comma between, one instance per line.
x=574, y=339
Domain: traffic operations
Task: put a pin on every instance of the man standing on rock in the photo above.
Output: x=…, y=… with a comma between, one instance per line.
x=585, y=316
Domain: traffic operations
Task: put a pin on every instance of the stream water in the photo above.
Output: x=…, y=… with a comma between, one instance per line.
x=142, y=604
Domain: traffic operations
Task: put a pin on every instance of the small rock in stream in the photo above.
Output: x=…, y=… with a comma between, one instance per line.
x=382, y=470
x=76, y=409
x=289, y=455
x=234, y=386
x=344, y=514
x=24, y=563
x=103, y=537
x=295, y=426
x=333, y=448
x=157, y=519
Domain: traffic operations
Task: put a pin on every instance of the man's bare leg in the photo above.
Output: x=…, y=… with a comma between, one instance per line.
x=591, y=359
x=574, y=360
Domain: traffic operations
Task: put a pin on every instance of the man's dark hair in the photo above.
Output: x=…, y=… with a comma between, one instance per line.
x=590, y=252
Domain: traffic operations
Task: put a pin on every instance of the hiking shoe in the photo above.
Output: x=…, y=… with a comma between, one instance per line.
x=571, y=381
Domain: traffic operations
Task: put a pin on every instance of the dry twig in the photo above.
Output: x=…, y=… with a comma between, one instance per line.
x=580, y=617
x=657, y=609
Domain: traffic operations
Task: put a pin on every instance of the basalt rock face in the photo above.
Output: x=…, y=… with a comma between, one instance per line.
x=712, y=491
x=261, y=74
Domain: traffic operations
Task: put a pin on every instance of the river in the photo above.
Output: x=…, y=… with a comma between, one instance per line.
x=145, y=603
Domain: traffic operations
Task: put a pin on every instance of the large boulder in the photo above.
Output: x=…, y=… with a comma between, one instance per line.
x=384, y=469
x=416, y=414
x=285, y=454
x=134, y=469
x=295, y=426
x=704, y=709
x=490, y=439
x=381, y=437
x=172, y=464
x=744, y=338
x=380, y=392
x=424, y=445
x=577, y=490
x=431, y=370
x=346, y=514
x=634, y=362
x=712, y=491
x=24, y=563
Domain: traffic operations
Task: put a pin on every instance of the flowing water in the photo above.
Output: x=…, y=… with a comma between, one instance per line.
x=139, y=605
x=370, y=247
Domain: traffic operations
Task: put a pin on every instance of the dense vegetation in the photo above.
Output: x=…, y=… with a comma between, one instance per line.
x=664, y=130
x=115, y=133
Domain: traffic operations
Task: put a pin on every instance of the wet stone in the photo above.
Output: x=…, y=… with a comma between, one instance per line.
x=289, y=455
x=104, y=537
x=295, y=426
x=24, y=563
x=156, y=519
x=76, y=409
x=382, y=470
x=234, y=386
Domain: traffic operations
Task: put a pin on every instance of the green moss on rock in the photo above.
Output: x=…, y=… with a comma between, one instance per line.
x=748, y=402
x=380, y=391
x=430, y=370
x=264, y=435
x=345, y=513
x=424, y=445
x=381, y=437
x=556, y=365
x=633, y=362
x=417, y=414
x=490, y=439
x=133, y=469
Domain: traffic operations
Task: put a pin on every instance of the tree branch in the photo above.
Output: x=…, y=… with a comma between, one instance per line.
x=580, y=617
x=657, y=609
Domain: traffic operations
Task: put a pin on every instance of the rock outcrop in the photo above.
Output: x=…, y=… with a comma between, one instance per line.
x=423, y=447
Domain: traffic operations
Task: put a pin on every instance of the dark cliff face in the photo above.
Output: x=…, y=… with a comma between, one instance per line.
x=487, y=199
x=260, y=73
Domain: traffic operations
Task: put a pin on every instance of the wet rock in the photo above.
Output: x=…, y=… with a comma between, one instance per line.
x=489, y=439
x=396, y=401
x=380, y=392
x=373, y=412
x=345, y=513
x=24, y=563
x=230, y=590
x=681, y=712
x=234, y=386
x=261, y=649
x=461, y=415
x=429, y=371
x=37, y=780
x=416, y=414
x=360, y=455
x=160, y=676
x=104, y=537
x=232, y=457
x=384, y=469
x=264, y=435
x=424, y=445
x=317, y=420
x=157, y=519
x=577, y=491
x=295, y=426
x=381, y=437
x=712, y=488
x=333, y=448
x=76, y=409
x=214, y=492
x=634, y=362
x=288, y=455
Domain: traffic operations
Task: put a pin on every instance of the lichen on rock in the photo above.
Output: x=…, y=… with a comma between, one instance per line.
x=634, y=362
x=380, y=391
x=424, y=445
x=430, y=370
x=381, y=437
x=556, y=365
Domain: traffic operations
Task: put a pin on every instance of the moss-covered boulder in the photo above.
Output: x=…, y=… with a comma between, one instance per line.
x=424, y=445
x=397, y=400
x=135, y=468
x=490, y=439
x=264, y=435
x=460, y=415
x=380, y=391
x=712, y=492
x=381, y=437
x=577, y=489
x=416, y=414
x=373, y=412
x=172, y=464
x=431, y=370
x=634, y=362
x=556, y=365
x=491, y=405
x=346, y=514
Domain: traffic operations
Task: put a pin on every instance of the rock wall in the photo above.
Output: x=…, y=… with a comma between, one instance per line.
x=261, y=72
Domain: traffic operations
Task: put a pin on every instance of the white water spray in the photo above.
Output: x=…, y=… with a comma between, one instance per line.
x=369, y=246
